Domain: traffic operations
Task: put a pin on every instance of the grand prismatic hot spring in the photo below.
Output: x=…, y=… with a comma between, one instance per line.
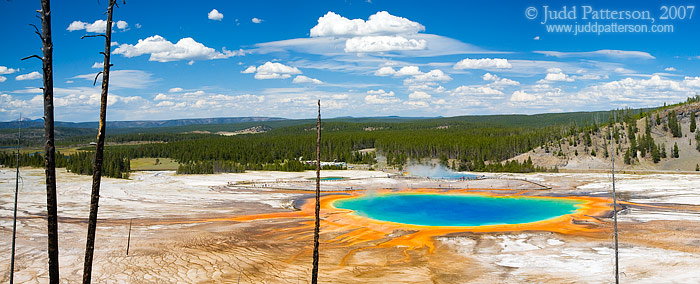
x=457, y=209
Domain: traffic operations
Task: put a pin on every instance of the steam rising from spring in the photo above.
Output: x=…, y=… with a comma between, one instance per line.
x=435, y=171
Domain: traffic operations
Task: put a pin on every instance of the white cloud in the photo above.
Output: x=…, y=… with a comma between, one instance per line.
x=98, y=65
x=404, y=71
x=418, y=104
x=13, y=105
x=692, y=82
x=385, y=71
x=4, y=70
x=272, y=70
x=556, y=77
x=160, y=97
x=435, y=75
x=382, y=32
x=604, y=52
x=3, y=79
x=165, y=103
x=74, y=104
x=522, y=96
x=98, y=26
x=299, y=79
x=175, y=90
x=250, y=70
x=30, y=76
x=138, y=26
x=380, y=92
x=655, y=82
x=93, y=99
x=489, y=77
x=380, y=97
x=640, y=92
x=589, y=77
x=475, y=91
x=670, y=69
x=505, y=82
x=408, y=71
x=381, y=23
x=419, y=95
x=215, y=15
x=383, y=44
x=275, y=70
x=498, y=81
x=536, y=38
x=122, y=25
x=483, y=63
x=193, y=94
x=256, y=20
x=162, y=50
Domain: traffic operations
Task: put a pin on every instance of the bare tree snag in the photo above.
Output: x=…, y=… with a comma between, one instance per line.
x=99, y=151
x=614, y=195
x=314, y=271
x=49, y=147
x=14, y=216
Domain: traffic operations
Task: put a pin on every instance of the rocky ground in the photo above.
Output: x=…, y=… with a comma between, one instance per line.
x=183, y=232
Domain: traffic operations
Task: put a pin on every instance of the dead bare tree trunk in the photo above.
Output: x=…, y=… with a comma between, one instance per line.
x=128, y=239
x=99, y=151
x=614, y=194
x=314, y=271
x=14, y=216
x=49, y=148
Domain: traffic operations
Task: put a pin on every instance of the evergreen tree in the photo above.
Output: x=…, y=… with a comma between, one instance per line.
x=658, y=119
x=674, y=125
x=692, y=122
x=587, y=139
x=675, y=150
x=627, y=158
x=663, y=151
x=647, y=126
x=655, y=155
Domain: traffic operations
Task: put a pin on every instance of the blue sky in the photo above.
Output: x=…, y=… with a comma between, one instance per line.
x=378, y=58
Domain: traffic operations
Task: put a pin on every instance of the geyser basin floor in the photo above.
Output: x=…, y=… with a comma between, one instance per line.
x=457, y=209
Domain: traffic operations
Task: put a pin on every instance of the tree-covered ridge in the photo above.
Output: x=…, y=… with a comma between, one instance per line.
x=399, y=141
x=464, y=144
x=640, y=138
x=79, y=133
x=115, y=164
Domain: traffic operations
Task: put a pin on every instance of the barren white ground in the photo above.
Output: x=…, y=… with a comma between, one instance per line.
x=511, y=258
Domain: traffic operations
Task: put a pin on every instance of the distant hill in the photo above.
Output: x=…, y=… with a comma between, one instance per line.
x=141, y=123
x=78, y=132
x=237, y=123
